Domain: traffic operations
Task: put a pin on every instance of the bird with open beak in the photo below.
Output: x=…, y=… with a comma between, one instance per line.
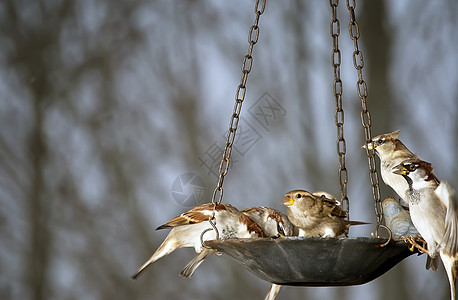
x=316, y=215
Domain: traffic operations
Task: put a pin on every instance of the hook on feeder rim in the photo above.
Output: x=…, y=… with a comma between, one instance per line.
x=213, y=224
x=390, y=234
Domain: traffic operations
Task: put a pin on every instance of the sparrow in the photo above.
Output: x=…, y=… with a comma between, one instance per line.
x=434, y=211
x=391, y=152
x=316, y=216
x=398, y=220
x=188, y=227
x=274, y=224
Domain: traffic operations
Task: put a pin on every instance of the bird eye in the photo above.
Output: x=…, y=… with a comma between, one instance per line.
x=298, y=196
x=381, y=141
x=280, y=230
x=411, y=167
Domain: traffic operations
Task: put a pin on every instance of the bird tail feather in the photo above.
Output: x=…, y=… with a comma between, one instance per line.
x=191, y=267
x=273, y=292
x=450, y=265
x=432, y=263
x=357, y=223
x=164, y=249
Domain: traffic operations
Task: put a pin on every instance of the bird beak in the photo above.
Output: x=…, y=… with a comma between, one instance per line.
x=400, y=170
x=369, y=146
x=288, y=201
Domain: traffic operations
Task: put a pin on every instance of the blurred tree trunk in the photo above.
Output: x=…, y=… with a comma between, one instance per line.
x=377, y=40
x=39, y=240
x=34, y=49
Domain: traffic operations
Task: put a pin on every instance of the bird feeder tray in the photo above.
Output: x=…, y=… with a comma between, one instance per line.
x=314, y=261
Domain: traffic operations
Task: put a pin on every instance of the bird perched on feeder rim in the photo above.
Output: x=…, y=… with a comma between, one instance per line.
x=316, y=216
x=398, y=220
x=434, y=211
x=391, y=152
x=274, y=224
x=188, y=227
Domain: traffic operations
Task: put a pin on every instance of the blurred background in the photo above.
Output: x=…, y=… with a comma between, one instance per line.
x=113, y=113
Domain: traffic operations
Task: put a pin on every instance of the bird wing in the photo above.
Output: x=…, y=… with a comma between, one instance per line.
x=195, y=215
x=446, y=195
x=256, y=210
x=330, y=208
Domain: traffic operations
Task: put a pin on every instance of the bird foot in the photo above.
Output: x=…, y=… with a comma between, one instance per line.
x=414, y=243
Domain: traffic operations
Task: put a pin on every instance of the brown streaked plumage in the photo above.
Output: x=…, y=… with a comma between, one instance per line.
x=187, y=228
x=272, y=222
x=327, y=195
x=316, y=216
x=196, y=215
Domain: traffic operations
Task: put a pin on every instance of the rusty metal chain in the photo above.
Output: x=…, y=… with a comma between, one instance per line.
x=339, y=114
x=361, y=88
x=247, y=63
x=239, y=97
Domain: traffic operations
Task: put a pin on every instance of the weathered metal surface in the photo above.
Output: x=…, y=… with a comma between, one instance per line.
x=314, y=261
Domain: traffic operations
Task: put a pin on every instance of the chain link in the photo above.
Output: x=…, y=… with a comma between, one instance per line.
x=247, y=63
x=240, y=93
x=361, y=88
x=339, y=114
